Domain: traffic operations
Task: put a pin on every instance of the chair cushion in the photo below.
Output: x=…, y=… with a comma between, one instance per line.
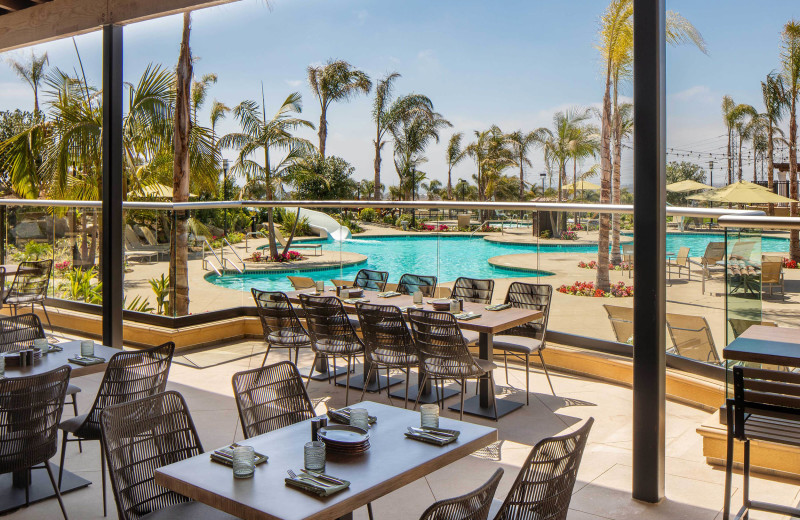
x=354, y=322
x=78, y=427
x=288, y=337
x=327, y=346
x=188, y=511
x=520, y=344
x=470, y=336
x=459, y=371
x=72, y=389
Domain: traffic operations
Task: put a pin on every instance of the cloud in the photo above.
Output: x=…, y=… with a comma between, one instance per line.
x=294, y=83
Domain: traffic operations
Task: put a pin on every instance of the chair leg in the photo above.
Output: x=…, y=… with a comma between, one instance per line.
x=45, y=315
x=27, y=487
x=505, y=361
x=419, y=389
x=388, y=386
x=369, y=375
x=408, y=376
x=546, y=373
x=103, y=476
x=63, y=453
x=347, y=382
x=369, y=510
x=55, y=488
x=528, y=378
x=264, y=361
x=463, y=391
x=311, y=370
x=726, y=509
x=335, y=374
x=746, y=474
x=75, y=410
x=494, y=396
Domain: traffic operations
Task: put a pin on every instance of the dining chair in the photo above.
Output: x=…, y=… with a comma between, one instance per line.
x=30, y=410
x=140, y=436
x=473, y=290
x=129, y=376
x=29, y=286
x=332, y=334
x=529, y=338
x=411, y=283
x=371, y=280
x=281, y=326
x=271, y=397
x=772, y=276
x=472, y=506
x=545, y=481
x=691, y=338
x=18, y=332
x=388, y=343
x=444, y=355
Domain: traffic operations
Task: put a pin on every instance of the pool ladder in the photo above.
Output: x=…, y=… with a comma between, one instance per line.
x=221, y=260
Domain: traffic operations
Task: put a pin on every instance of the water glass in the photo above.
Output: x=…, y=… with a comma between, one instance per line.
x=417, y=297
x=429, y=415
x=40, y=343
x=87, y=348
x=320, y=285
x=314, y=456
x=244, y=461
x=359, y=417
x=454, y=307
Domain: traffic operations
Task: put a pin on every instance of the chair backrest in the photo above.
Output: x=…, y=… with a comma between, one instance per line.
x=441, y=347
x=771, y=393
x=738, y=326
x=463, y=220
x=18, y=332
x=139, y=437
x=301, y=282
x=544, y=485
x=473, y=290
x=627, y=252
x=371, y=280
x=129, y=376
x=691, y=337
x=383, y=327
x=271, y=397
x=771, y=272
x=772, y=258
x=411, y=283
x=683, y=256
x=472, y=506
x=30, y=411
x=31, y=282
x=742, y=249
x=530, y=296
x=327, y=321
x=276, y=312
x=279, y=238
x=621, y=319
x=715, y=251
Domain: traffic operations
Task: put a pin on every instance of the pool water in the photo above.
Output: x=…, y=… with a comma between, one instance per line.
x=447, y=257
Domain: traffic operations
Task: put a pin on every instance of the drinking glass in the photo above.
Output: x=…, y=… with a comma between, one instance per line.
x=417, y=297
x=429, y=415
x=87, y=348
x=244, y=461
x=359, y=417
x=40, y=343
x=320, y=284
x=454, y=307
x=314, y=456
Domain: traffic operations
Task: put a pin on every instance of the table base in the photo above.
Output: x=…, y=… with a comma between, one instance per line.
x=426, y=397
x=357, y=382
x=323, y=376
x=13, y=497
x=472, y=406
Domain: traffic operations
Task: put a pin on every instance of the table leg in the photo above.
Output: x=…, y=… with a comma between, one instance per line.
x=12, y=487
x=321, y=370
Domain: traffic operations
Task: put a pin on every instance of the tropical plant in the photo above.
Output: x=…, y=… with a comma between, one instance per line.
x=790, y=57
x=521, y=143
x=322, y=178
x=773, y=92
x=77, y=285
x=742, y=116
x=37, y=250
x=138, y=304
x=32, y=71
x=455, y=154
x=727, y=111
x=160, y=288
x=623, y=128
x=368, y=215
x=383, y=118
x=290, y=226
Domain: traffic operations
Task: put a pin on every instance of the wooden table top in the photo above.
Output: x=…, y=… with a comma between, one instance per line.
x=56, y=359
x=490, y=322
x=769, y=345
x=391, y=462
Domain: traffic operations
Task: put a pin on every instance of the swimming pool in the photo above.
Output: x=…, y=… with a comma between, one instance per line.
x=448, y=257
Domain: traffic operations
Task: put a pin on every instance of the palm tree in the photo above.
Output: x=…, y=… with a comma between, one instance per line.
x=774, y=95
x=32, y=72
x=454, y=155
x=258, y=135
x=790, y=56
x=623, y=128
x=432, y=188
x=492, y=155
x=742, y=117
x=337, y=80
x=521, y=143
x=727, y=116
x=381, y=115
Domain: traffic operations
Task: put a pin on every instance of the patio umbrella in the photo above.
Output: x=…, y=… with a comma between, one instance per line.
x=742, y=192
x=686, y=186
x=582, y=185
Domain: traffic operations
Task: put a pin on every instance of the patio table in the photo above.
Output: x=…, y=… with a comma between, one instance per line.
x=487, y=325
x=391, y=462
x=766, y=345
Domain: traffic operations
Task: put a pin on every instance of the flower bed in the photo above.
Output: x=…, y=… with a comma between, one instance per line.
x=790, y=264
x=592, y=264
x=618, y=290
x=431, y=227
x=569, y=235
x=290, y=256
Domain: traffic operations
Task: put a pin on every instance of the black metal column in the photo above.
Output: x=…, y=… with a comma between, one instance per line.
x=649, y=356
x=112, y=239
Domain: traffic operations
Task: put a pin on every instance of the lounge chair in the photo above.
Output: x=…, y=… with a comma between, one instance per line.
x=691, y=338
x=134, y=249
x=772, y=275
x=742, y=250
x=715, y=252
x=299, y=245
x=627, y=257
x=621, y=319
x=681, y=262
x=301, y=282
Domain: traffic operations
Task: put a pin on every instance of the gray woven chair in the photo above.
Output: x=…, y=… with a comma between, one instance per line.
x=279, y=321
x=129, y=376
x=544, y=485
x=472, y=506
x=529, y=338
x=411, y=283
x=141, y=436
x=332, y=334
x=30, y=286
x=30, y=409
x=387, y=341
x=443, y=353
x=271, y=397
x=473, y=290
x=371, y=280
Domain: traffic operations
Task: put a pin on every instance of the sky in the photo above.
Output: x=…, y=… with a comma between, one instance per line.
x=509, y=63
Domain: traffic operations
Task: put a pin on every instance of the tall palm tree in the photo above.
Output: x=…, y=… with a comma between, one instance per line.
x=262, y=135
x=381, y=115
x=742, y=117
x=773, y=93
x=623, y=128
x=790, y=57
x=335, y=81
x=32, y=71
x=728, y=105
x=455, y=154
x=521, y=144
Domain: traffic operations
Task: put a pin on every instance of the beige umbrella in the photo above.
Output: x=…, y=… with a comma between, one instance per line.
x=741, y=192
x=687, y=185
x=582, y=185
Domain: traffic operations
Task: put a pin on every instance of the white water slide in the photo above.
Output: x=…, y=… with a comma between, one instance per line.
x=323, y=224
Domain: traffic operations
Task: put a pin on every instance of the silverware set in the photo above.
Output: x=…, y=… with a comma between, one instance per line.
x=317, y=478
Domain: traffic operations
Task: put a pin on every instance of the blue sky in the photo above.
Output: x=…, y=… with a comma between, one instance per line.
x=510, y=63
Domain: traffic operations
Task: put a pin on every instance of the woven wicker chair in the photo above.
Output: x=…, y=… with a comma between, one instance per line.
x=129, y=376
x=411, y=283
x=443, y=352
x=545, y=482
x=371, y=280
x=271, y=397
x=30, y=409
x=139, y=437
x=472, y=506
x=473, y=290
x=332, y=334
x=528, y=338
x=30, y=286
x=387, y=341
x=282, y=329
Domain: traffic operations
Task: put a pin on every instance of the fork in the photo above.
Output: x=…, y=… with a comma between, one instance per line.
x=295, y=476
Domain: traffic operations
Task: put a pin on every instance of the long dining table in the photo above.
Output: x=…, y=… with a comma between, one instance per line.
x=487, y=326
x=391, y=462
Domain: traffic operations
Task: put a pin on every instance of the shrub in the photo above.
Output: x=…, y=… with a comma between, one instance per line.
x=368, y=215
x=545, y=234
x=235, y=237
x=569, y=235
x=388, y=219
x=789, y=264
x=303, y=227
x=617, y=290
x=37, y=250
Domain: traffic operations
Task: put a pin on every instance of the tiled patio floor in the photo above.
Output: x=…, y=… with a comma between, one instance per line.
x=694, y=489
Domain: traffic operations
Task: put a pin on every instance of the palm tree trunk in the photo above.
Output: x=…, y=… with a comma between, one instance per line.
x=323, y=132
x=179, y=246
x=450, y=182
x=794, y=236
x=741, y=142
x=521, y=179
x=603, y=281
x=273, y=247
x=574, y=179
x=377, y=187
x=730, y=159
x=616, y=257
x=770, y=167
x=291, y=236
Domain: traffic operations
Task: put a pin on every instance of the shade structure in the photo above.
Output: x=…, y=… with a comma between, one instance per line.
x=582, y=185
x=741, y=192
x=687, y=185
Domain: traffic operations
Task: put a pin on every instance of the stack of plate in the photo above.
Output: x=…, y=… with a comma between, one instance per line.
x=340, y=438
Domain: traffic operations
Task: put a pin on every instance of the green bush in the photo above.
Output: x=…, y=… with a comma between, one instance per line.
x=368, y=215
x=303, y=227
x=388, y=219
x=235, y=237
x=401, y=218
x=37, y=250
x=545, y=234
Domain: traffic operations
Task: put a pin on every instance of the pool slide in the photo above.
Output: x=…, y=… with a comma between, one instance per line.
x=323, y=224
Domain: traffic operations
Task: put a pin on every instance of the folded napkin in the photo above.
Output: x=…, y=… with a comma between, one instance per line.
x=225, y=456
x=405, y=308
x=437, y=436
x=388, y=294
x=86, y=360
x=465, y=316
x=498, y=307
x=355, y=300
x=308, y=483
x=342, y=416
